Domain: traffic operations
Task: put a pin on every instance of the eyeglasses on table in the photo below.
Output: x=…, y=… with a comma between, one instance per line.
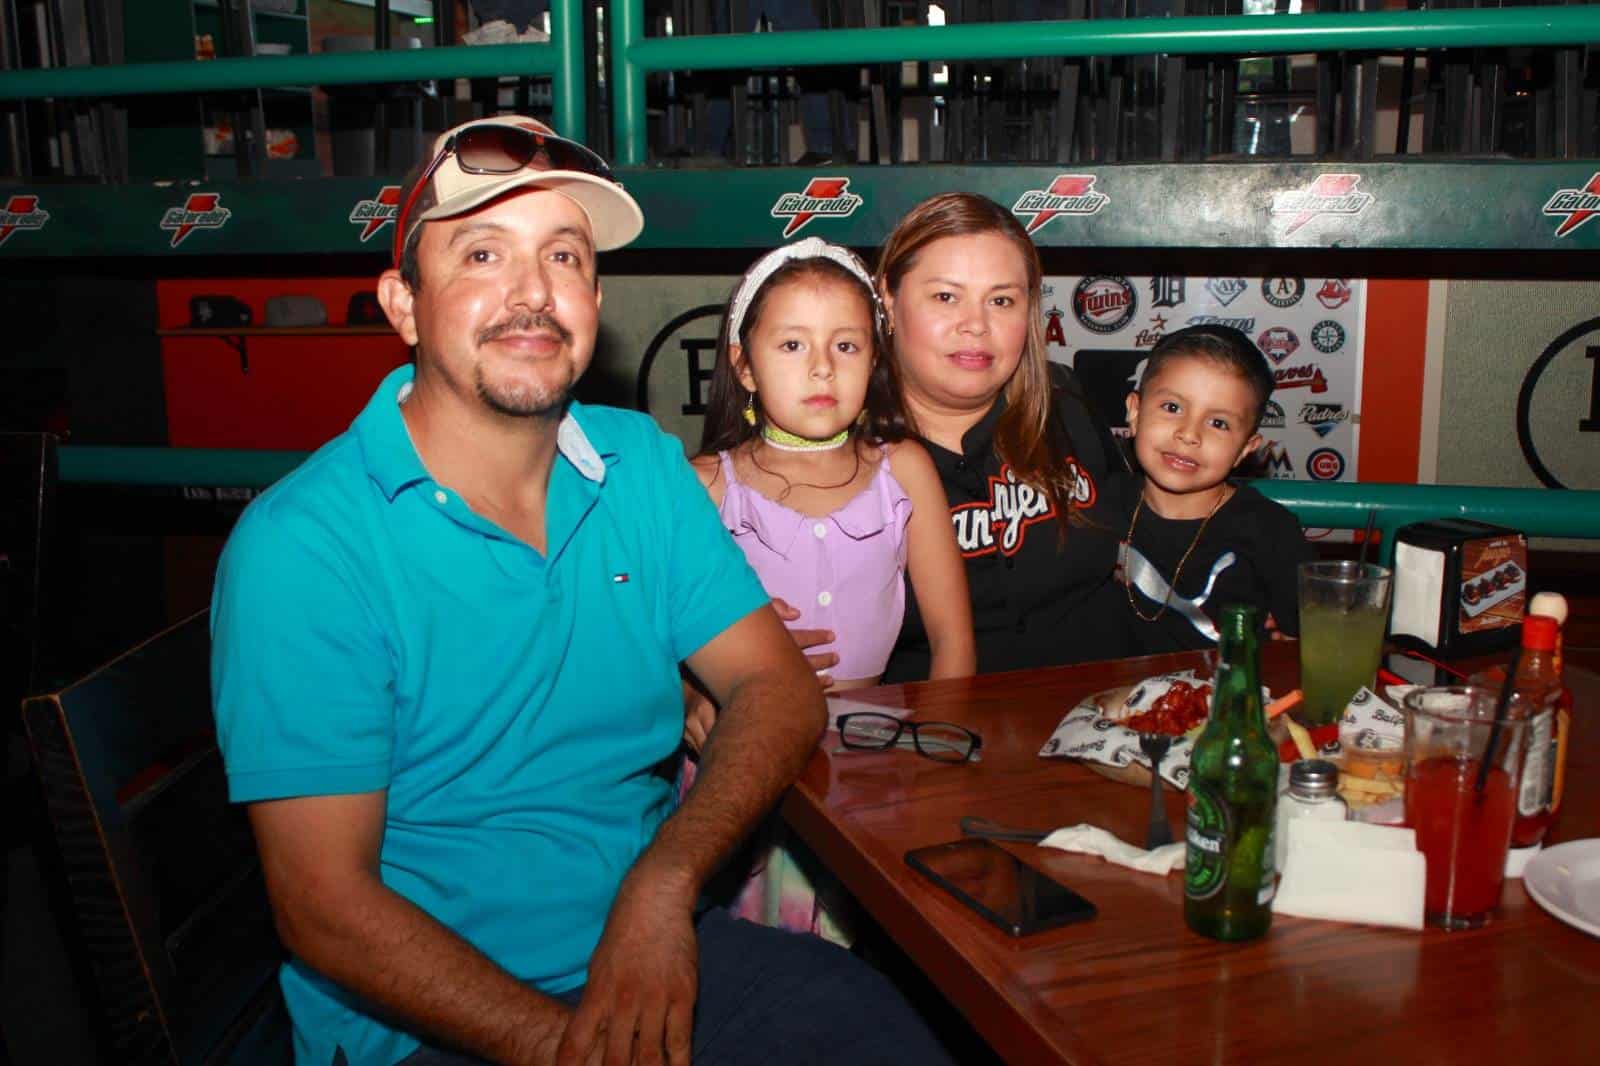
x=940, y=741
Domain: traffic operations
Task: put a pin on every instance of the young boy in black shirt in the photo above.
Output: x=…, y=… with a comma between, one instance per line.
x=1191, y=539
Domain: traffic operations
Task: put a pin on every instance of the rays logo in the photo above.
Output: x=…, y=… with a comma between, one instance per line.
x=202, y=210
x=21, y=212
x=822, y=198
x=1577, y=205
x=1330, y=194
x=1000, y=523
x=372, y=215
x=1226, y=290
x=1068, y=194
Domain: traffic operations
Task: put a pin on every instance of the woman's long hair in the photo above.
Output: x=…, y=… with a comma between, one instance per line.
x=725, y=425
x=1029, y=436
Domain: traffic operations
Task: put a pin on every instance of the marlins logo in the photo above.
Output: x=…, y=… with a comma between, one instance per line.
x=1578, y=205
x=1068, y=194
x=1330, y=194
x=824, y=197
x=203, y=210
x=21, y=212
x=373, y=215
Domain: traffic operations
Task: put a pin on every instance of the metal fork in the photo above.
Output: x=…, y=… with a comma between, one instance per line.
x=1155, y=746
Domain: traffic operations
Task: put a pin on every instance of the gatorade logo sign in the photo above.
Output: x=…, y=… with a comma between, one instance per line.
x=822, y=198
x=374, y=214
x=202, y=210
x=21, y=213
x=1068, y=194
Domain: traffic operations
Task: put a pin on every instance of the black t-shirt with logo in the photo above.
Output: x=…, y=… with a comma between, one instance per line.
x=1028, y=586
x=1262, y=537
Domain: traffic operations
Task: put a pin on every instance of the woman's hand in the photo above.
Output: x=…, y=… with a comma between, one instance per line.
x=699, y=715
x=810, y=638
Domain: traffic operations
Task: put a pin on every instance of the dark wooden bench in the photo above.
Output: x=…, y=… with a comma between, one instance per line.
x=162, y=872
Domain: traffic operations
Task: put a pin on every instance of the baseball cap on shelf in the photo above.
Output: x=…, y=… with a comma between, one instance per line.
x=488, y=157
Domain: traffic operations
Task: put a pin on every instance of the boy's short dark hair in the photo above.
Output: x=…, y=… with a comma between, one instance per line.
x=1220, y=344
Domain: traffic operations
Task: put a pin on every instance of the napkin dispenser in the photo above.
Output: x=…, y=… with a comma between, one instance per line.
x=1460, y=587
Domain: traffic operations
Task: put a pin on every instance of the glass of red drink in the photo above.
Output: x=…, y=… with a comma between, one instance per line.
x=1463, y=831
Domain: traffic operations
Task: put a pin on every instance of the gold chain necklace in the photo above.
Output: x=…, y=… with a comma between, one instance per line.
x=1172, y=586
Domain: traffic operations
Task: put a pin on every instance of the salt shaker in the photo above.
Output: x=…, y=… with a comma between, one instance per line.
x=1313, y=793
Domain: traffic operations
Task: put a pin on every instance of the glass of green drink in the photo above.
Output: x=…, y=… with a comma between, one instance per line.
x=1344, y=610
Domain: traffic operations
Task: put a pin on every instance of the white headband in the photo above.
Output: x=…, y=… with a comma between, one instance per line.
x=767, y=265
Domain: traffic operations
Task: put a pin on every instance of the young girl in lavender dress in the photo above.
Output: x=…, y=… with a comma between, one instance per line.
x=807, y=456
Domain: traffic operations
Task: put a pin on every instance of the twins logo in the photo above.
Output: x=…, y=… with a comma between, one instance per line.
x=1068, y=194
x=1577, y=205
x=1330, y=194
x=372, y=215
x=1000, y=524
x=202, y=210
x=21, y=212
x=822, y=198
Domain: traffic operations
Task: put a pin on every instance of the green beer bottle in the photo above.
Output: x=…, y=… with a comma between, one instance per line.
x=1233, y=795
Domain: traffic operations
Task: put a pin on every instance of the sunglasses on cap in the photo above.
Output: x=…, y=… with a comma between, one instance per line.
x=493, y=148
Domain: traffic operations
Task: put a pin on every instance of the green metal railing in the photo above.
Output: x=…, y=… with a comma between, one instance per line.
x=633, y=54
x=1329, y=505
x=561, y=59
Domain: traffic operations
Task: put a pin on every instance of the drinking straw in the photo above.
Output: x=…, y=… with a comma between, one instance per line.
x=1499, y=717
x=1366, y=537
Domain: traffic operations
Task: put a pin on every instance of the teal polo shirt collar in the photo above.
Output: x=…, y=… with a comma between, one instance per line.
x=392, y=460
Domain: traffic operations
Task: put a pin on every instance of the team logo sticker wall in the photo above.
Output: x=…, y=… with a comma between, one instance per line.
x=1278, y=343
x=1331, y=194
x=374, y=214
x=1325, y=464
x=1327, y=336
x=1104, y=303
x=202, y=210
x=1068, y=194
x=1334, y=294
x=822, y=198
x=1575, y=206
x=1283, y=292
x=21, y=213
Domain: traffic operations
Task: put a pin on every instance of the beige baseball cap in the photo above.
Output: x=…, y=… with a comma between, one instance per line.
x=488, y=157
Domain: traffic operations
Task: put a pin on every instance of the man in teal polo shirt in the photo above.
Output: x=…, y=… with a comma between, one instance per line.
x=445, y=670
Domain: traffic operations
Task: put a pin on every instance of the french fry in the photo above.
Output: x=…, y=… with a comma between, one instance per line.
x=1301, y=738
x=1289, y=699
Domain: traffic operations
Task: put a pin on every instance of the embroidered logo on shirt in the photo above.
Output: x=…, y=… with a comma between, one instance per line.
x=619, y=579
x=1001, y=523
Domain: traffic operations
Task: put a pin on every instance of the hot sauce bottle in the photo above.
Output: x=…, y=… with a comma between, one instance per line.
x=1554, y=605
x=1539, y=684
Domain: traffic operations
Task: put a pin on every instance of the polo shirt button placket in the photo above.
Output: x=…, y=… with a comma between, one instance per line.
x=824, y=598
x=820, y=530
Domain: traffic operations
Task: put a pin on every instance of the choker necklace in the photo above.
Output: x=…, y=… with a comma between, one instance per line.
x=1127, y=542
x=785, y=441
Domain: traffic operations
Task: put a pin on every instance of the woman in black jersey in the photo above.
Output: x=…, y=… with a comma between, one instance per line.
x=1015, y=444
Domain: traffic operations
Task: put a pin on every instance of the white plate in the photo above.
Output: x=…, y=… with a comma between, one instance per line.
x=1565, y=880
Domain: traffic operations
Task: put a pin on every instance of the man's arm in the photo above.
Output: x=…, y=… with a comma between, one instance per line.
x=643, y=975
x=320, y=857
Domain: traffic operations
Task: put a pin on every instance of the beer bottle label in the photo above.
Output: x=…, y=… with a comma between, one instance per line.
x=1205, y=870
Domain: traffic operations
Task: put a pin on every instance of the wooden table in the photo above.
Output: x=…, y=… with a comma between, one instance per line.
x=1134, y=985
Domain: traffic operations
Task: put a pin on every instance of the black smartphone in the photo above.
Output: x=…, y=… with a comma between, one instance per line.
x=1002, y=888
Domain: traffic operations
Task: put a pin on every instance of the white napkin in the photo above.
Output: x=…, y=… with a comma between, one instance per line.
x=1092, y=840
x=1352, y=872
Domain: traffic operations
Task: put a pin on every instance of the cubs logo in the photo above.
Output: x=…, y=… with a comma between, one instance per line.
x=1283, y=292
x=1068, y=194
x=822, y=198
x=374, y=214
x=1272, y=416
x=21, y=213
x=1575, y=206
x=1104, y=303
x=202, y=210
x=1278, y=343
x=1334, y=294
x=1330, y=194
x=1226, y=290
x=1327, y=336
x=1325, y=464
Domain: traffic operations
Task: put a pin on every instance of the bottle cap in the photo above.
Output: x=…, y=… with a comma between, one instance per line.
x=1313, y=778
x=1551, y=605
x=1539, y=633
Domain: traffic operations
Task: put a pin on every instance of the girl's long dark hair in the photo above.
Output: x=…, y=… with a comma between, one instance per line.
x=725, y=426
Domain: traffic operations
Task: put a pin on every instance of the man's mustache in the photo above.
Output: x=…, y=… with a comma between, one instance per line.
x=525, y=323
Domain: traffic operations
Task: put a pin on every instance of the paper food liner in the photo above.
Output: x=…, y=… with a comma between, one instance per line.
x=1087, y=734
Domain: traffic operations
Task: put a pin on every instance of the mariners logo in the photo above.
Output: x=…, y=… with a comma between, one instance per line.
x=1278, y=343
x=372, y=215
x=1000, y=523
x=1323, y=418
x=823, y=198
x=1226, y=290
x=1327, y=336
x=1272, y=416
x=1330, y=194
x=1104, y=303
x=21, y=212
x=202, y=210
x=1576, y=205
x=1334, y=294
x=1283, y=292
x=1068, y=194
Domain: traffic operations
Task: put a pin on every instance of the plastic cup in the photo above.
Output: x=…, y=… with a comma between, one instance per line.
x=1344, y=610
x=1463, y=832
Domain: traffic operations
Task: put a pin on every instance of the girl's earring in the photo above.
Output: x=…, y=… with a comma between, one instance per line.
x=750, y=409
